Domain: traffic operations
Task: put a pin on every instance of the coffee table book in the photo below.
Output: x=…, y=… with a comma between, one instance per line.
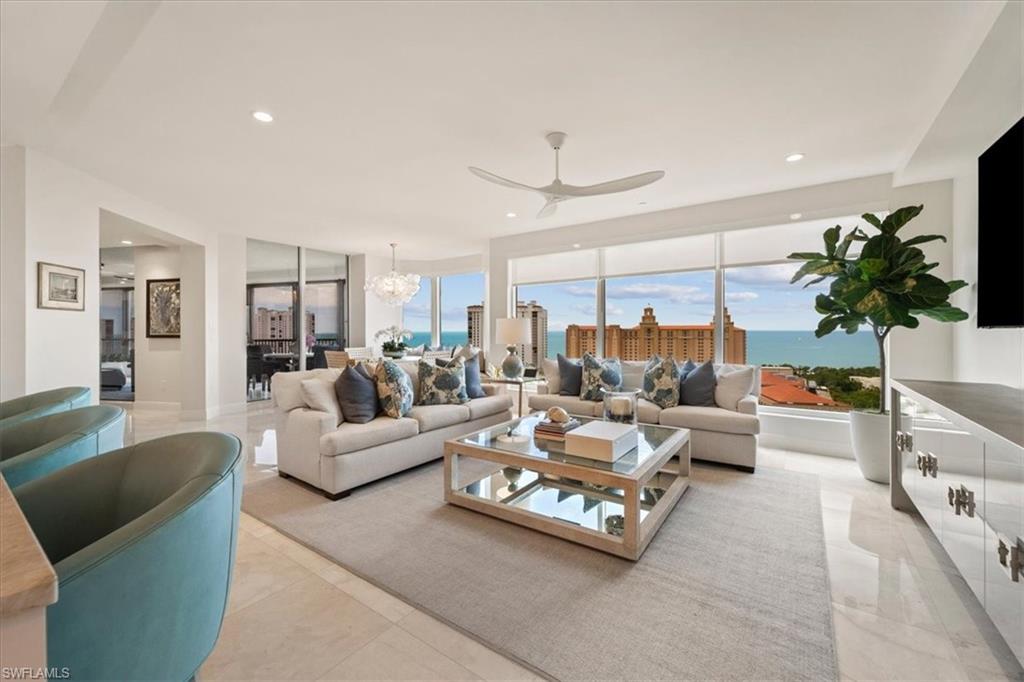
x=604, y=441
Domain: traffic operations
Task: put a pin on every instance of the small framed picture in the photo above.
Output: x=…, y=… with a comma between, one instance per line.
x=163, y=308
x=61, y=287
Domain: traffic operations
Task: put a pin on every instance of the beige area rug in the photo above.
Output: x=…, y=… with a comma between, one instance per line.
x=734, y=586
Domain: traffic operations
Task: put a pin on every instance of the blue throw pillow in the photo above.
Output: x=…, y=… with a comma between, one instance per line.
x=600, y=376
x=686, y=368
x=357, y=394
x=443, y=385
x=394, y=389
x=570, y=376
x=698, y=387
x=474, y=387
x=661, y=382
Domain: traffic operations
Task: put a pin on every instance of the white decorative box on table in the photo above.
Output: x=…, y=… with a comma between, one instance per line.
x=605, y=441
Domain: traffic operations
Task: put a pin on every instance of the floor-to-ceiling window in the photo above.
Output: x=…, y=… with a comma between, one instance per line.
x=837, y=372
x=724, y=296
x=563, y=318
x=462, y=309
x=324, y=298
x=418, y=313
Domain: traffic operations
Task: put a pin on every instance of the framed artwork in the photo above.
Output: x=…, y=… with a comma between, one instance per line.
x=163, y=308
x=61, y=287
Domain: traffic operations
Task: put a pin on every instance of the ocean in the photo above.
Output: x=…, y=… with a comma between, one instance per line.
x=763, y=347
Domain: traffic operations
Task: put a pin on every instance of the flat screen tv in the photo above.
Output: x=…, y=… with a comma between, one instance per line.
x=1001, y=231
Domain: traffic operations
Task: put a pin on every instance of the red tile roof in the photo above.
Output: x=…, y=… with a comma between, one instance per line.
x=781, y=391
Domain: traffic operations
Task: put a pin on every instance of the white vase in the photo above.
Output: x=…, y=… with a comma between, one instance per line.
x=869, y=432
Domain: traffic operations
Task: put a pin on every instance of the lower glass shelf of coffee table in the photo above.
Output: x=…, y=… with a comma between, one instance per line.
x=597, y=508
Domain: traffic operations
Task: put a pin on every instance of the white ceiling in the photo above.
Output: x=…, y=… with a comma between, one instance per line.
x=380, y=107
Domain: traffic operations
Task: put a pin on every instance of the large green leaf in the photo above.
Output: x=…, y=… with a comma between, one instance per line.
x=807, y=255
x=880, y=246
x=872, y=267
x=873, y=219
x=923, y=238
x=824, y=304
x=944, y=313
x=831, y=239
x=927, y=291
x=898, y=218
x=816, y=267
x=955, y=285
x=826, y=326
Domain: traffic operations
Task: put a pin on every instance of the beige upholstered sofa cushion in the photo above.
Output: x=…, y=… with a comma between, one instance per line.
x=350, y=437
x=570, y=403
x=486, y=406
x=286, y=387
x=432, y=417
x=647, y=412
x=710, y=419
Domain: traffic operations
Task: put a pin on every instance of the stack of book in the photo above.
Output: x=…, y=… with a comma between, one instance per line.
x=550, y=430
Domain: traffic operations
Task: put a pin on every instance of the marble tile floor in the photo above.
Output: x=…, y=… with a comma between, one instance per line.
x=900, y=610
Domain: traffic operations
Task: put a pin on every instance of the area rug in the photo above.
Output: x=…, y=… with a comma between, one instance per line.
x=733, y=586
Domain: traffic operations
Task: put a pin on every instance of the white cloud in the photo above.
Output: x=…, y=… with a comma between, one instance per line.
x=740, y=296
x=676, y=293
x=579, y=291
x=590, y=310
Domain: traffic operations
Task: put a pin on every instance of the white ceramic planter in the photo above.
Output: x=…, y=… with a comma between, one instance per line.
x=869, y=432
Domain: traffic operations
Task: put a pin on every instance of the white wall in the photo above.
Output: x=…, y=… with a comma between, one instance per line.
x=983, y=355
x=13, y=279
x=367, y=314
x=230, y=319
x=926, y=352
x=158, y=367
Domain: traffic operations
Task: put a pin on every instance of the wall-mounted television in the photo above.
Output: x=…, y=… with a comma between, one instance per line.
x=1001, y=231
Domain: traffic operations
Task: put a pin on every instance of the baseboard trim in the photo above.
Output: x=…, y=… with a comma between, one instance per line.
x=157, y=405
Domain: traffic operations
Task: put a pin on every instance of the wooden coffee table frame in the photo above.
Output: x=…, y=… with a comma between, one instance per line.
x=671, y=457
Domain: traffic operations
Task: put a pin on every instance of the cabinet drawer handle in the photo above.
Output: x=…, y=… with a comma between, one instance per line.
x=928, y=464
x=1011, y=557
x=962, y=500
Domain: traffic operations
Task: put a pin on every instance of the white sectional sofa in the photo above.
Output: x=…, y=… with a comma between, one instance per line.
x=336, y=457
x=717, y=434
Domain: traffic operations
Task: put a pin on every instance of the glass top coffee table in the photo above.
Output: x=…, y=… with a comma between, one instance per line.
x=616, y=507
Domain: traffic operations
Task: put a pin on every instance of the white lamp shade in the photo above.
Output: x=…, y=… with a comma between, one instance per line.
x=512, y=331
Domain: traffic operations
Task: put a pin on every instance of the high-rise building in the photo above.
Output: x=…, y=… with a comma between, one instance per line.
x=537, y=349
x=269, y=323
x=475, y=324
x=684, y=341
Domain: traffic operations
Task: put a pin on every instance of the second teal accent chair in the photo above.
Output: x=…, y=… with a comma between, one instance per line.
x=43, y=403
x=40, y=446
x=143, y=543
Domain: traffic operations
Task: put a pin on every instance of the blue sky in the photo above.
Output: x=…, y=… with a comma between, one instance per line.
x=759, y=298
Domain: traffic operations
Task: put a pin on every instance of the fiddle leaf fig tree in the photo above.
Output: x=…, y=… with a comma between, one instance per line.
x=887, y=285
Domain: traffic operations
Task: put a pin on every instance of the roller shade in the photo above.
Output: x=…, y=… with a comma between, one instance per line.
x=664, y=255
x=553, y=267
x=775, y=242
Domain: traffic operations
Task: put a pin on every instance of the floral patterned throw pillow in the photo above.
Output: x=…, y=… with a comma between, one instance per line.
x=599, y=375
x=394, y=388
x=443, y=385
x=661, y=382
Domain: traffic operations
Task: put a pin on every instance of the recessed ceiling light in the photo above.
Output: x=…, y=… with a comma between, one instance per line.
x=794, y=157
x=796, y=216
x=126, y=241
x=641, y=203
x=510, y=214
x=575, y=246
x=262, y=117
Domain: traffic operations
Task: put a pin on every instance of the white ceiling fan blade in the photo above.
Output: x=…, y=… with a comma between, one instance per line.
x=612, y=186
x=549, y=208
x=498, y=180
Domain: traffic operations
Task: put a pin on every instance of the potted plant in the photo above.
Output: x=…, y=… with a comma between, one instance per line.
x=394, y=338
x=886, y=286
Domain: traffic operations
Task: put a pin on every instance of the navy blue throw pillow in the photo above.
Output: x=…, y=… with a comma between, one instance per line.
x=698, y=387
x=357, y=394
x=570, y=376
x=474, y=387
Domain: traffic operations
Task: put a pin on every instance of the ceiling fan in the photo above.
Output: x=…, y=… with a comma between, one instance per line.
x=558, y=191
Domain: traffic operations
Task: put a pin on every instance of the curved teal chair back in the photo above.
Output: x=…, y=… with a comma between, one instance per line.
x=37, y=447
x=43, y=403
x=143, y=543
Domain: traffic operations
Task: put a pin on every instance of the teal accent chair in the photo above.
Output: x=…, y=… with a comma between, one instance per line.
x=40, y=404
x=40, y=446
x=143, y=543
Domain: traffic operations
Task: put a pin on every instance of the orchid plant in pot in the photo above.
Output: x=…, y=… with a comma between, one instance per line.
x=886, y=286
x=392, y=340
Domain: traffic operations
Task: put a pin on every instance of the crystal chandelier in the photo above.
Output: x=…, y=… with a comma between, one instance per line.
x=394, y=288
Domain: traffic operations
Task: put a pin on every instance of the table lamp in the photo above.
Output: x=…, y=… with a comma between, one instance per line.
x=512, y=332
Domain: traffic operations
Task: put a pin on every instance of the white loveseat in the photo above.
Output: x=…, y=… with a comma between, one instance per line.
x=314, y=448
x=717, y=434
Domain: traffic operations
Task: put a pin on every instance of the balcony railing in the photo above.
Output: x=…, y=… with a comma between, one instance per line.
x=117, y=349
